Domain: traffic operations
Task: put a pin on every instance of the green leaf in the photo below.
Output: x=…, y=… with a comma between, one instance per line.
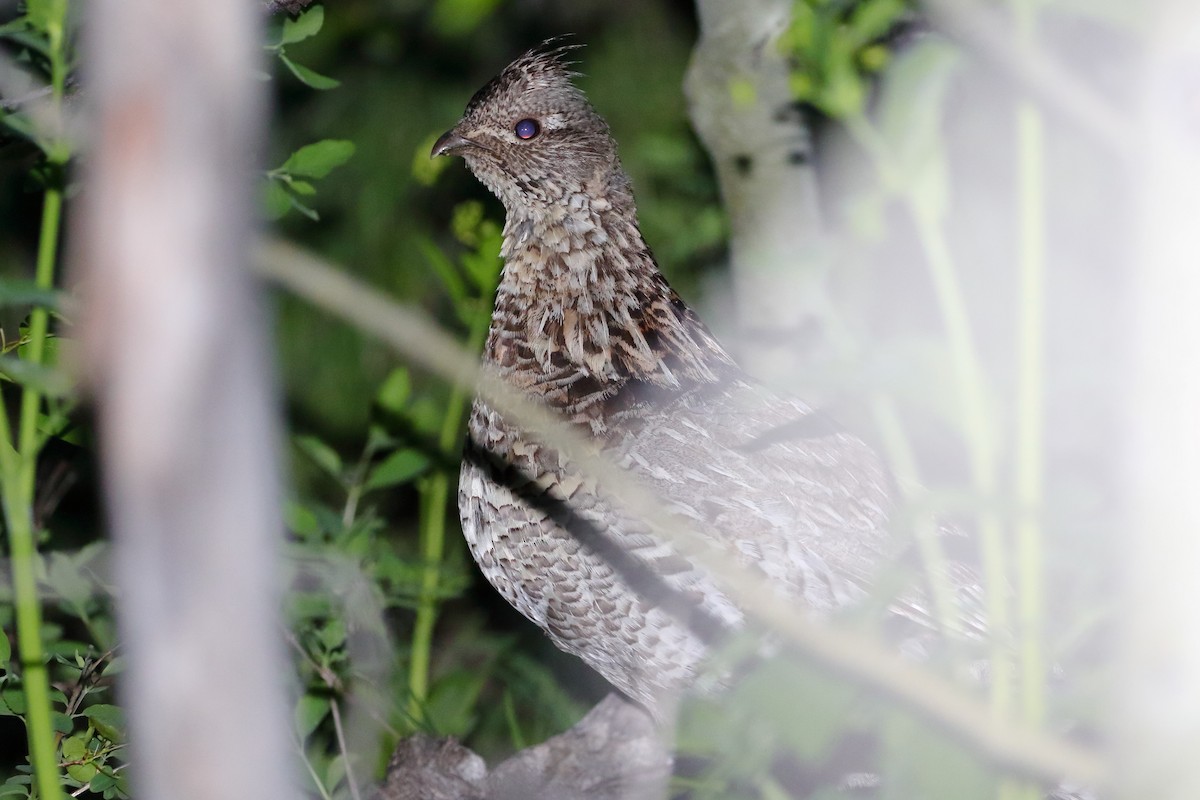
x=14, y=701
x=465, y=222
x=309, y=77
x=102, y=782
x=303, y=209
x=922, y=762
x=301, y=520
x=276, y=200
x=46, y=15
x=445, y=270
x=83, y=772
x=5, y=651
x=425, y=169
x=19, y=293
x=304, y=26
x=396, y=390
x=18, y=25
x=48, y=380
x=400, y=467
x=336, y=770
x=74, y=748
x=874, y=18
x=453, y=702
x=302, y=188
x=484, y=265
x=912, y=113
x=308, y=713
x=322, y=455
x=108, y=720
x=318, y=159
x=17, y=786
x=22, y=126
x=332, y=634
x=67, y=581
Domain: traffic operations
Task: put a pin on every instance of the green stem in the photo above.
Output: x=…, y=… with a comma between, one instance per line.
x=979, y=430
x=18, y=492
x=903, y=462
x=1028, y=482
x=435, y=495
x=1030, y=411
x=19, y=464
x=981, y=446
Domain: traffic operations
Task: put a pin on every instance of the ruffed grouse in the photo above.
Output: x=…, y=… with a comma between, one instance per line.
x=586, y=324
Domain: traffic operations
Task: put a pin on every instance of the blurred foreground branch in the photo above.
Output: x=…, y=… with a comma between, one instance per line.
x=175, y=350
x=845, y=654
x=1159, y=695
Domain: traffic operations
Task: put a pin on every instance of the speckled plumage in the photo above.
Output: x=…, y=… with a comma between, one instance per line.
x=585, y=323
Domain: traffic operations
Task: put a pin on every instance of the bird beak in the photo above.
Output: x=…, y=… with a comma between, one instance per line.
x=450, y=143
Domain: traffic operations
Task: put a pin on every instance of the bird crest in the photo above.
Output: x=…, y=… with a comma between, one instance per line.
x=545, y=66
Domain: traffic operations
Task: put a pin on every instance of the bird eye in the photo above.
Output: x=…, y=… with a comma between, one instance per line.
x=527, y=129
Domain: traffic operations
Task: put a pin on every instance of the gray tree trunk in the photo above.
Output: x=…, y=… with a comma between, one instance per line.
x=741, y=106
x=175, y=347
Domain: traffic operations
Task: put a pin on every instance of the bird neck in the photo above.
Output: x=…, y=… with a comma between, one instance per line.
x=582, y=309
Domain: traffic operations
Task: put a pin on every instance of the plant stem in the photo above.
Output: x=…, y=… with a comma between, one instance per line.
x=903, y=462
x=981, y=444
x=19, y=469
x=977, y=419
x=1030, y=414
x=1029, y=477
x=435, y=495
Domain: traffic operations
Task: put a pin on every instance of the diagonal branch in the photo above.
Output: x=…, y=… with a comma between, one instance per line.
x=1030, y=753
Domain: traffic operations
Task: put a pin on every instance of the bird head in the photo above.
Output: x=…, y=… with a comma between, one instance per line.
x=532, y=138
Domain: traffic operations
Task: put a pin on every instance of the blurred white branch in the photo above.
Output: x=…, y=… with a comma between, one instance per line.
x=175, y=349
x=1157, y=735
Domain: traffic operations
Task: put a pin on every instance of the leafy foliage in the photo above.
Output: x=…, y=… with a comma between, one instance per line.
x=287, y=183
x=293, y=31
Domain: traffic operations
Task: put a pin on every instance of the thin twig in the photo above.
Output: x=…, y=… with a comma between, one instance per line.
x=335, y=711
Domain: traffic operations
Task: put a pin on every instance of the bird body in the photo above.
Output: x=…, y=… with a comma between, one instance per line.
x=585, y=323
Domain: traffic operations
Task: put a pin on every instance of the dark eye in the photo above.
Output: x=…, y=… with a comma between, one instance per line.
x=527, y=129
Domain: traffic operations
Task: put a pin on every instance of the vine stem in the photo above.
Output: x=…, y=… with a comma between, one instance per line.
x=1028, y=480
x=18, y=464
x=982, y=448
x=977, y=418
x=19, y=468
x=435, y=495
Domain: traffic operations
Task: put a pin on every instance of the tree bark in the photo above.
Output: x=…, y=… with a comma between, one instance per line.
x=175, y=346
x=742, y=108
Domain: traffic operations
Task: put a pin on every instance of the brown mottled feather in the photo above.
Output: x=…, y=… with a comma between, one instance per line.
x=585, y=322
